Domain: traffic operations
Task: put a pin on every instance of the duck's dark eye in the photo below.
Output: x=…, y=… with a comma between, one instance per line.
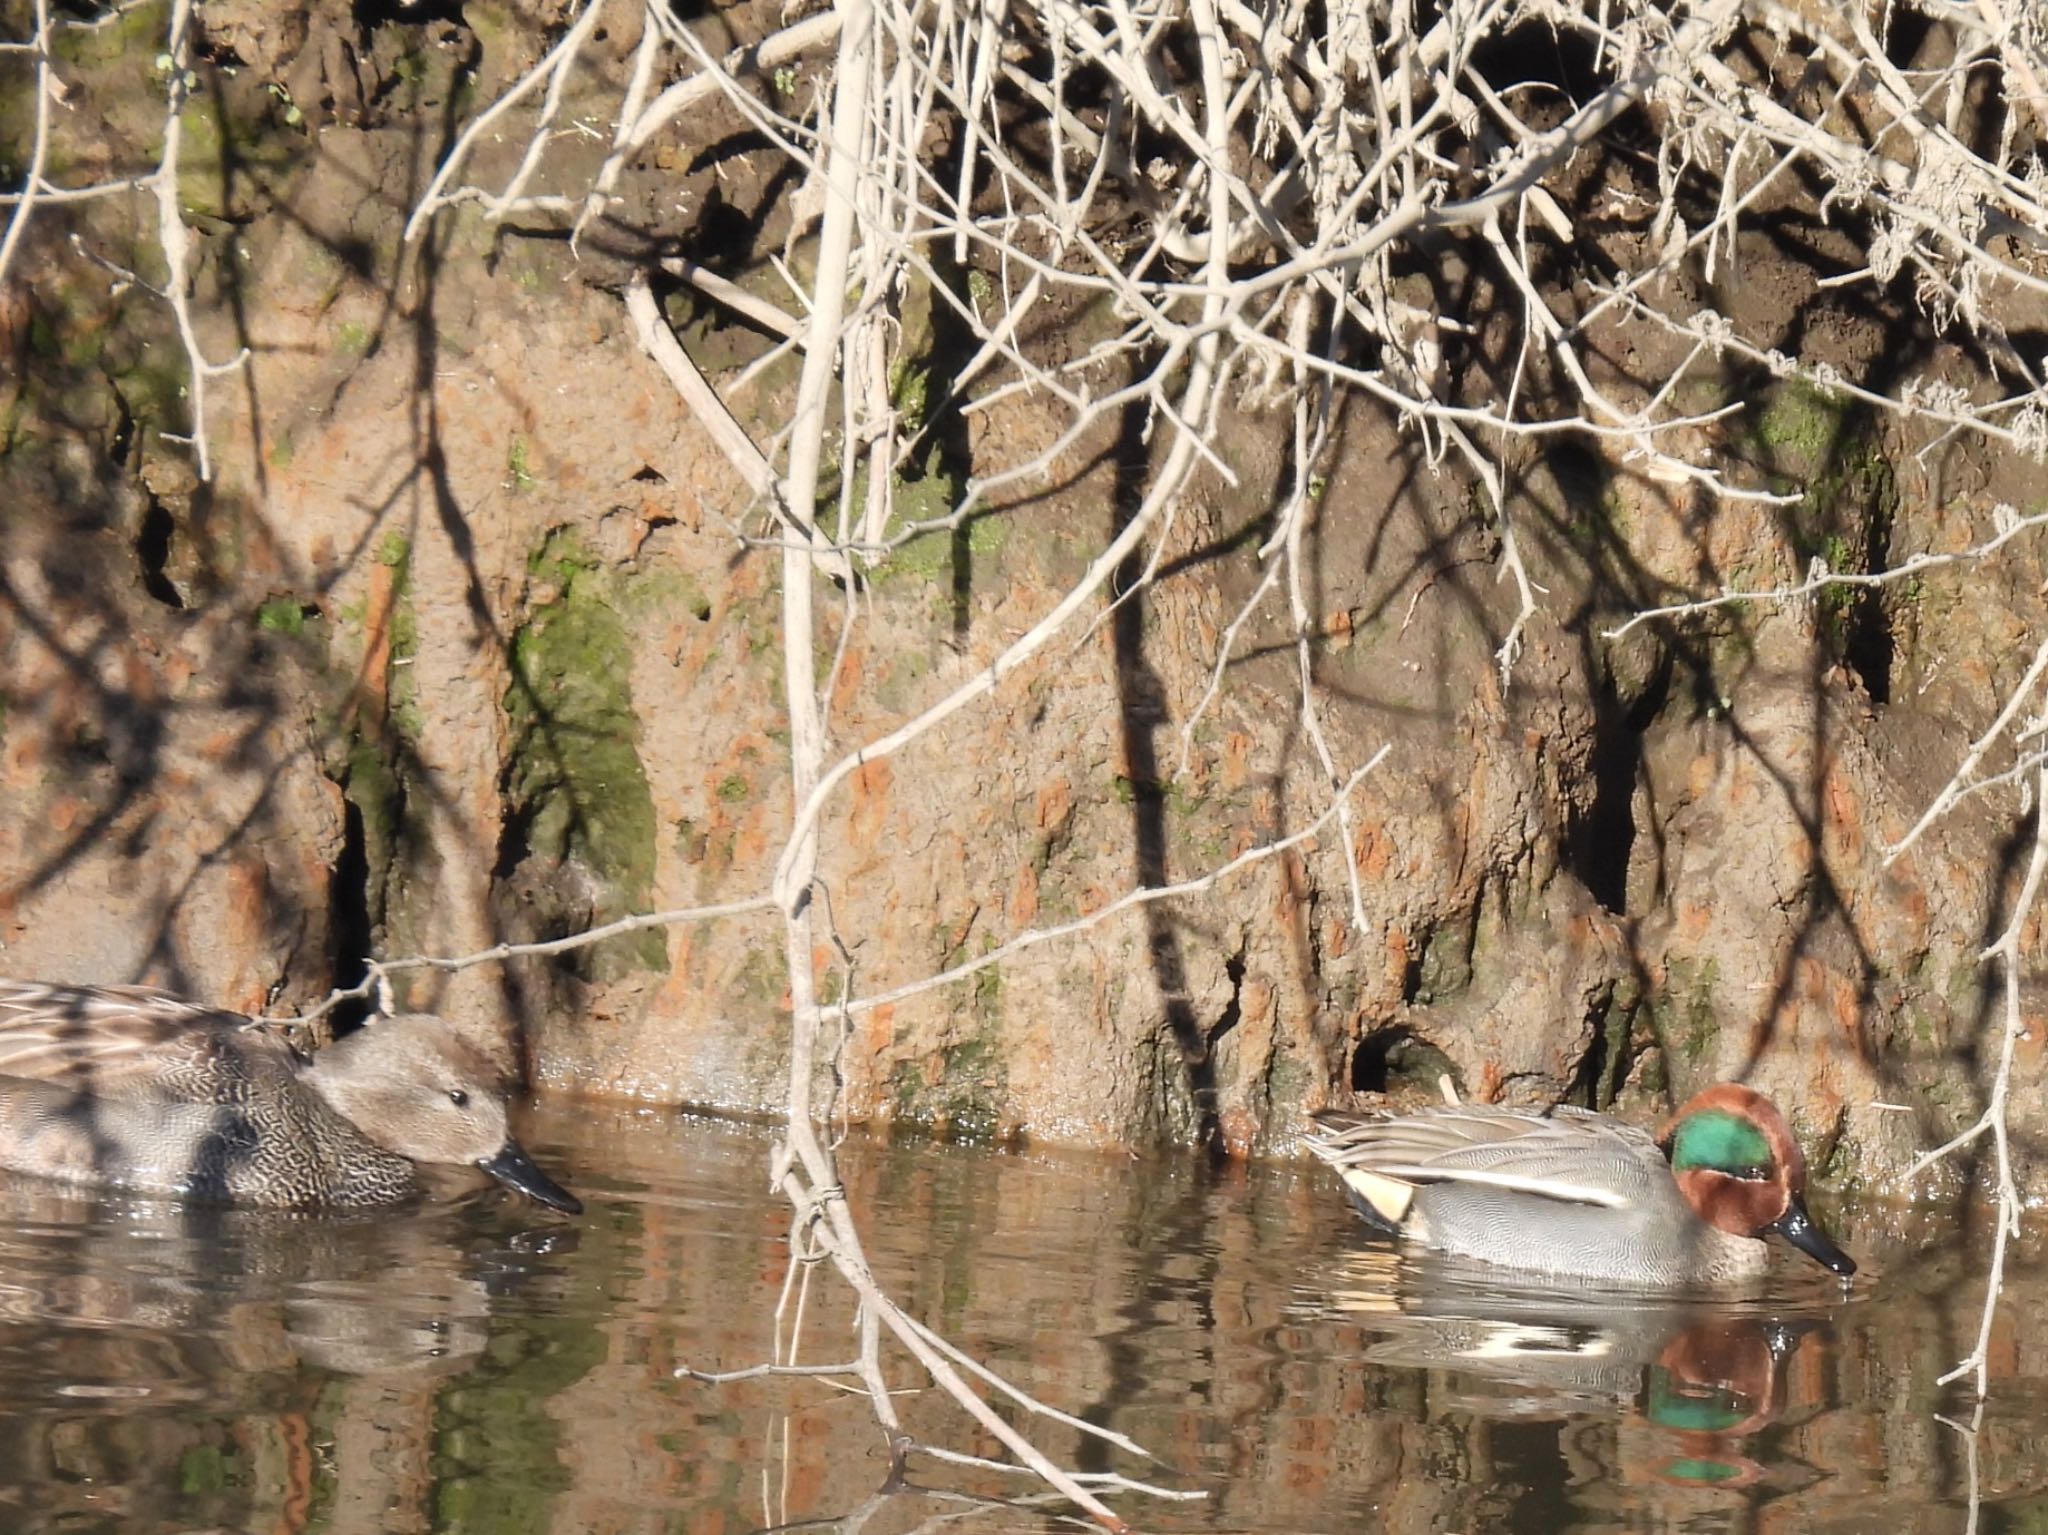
x=458, y=1097
x=1749, y=1174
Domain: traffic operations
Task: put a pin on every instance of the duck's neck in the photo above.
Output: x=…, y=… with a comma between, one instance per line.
x=1722, y=1257
x=328, y=1076
x=364, y=1173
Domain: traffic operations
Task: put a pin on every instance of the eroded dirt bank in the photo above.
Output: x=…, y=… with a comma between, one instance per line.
x=461, y=645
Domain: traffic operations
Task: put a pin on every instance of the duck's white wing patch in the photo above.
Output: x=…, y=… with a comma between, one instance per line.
x=1549, y=1186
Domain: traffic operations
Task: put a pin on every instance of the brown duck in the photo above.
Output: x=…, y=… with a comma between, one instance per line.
x=124, y=1087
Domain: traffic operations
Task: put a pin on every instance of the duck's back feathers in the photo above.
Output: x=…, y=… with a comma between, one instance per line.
x=131, y=1041
x=1564, y=1154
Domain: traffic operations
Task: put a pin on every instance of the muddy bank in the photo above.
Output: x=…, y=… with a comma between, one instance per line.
x=462, y=644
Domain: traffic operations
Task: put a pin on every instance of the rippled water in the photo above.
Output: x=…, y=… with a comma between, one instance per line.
x=490, y=1367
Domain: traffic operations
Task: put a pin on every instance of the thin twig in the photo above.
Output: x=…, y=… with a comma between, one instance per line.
x=1966, y=770
x=381, y=970
x=761, y=1371
x=1820, y=578
x=436, y=197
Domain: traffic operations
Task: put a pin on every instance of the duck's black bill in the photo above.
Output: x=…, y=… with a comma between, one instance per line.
x=1797, y=1227
x=514, y=1168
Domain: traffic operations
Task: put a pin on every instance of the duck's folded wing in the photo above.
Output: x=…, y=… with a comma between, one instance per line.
x=110, y=1037
x=1567, y=1154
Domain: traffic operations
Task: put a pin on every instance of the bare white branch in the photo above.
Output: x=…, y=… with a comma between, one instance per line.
x=39, y=144
x=1821, y=578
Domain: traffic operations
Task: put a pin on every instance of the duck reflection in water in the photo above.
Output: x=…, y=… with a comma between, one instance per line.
x=141, y=1337
x=1693, y=1378
x=1713, y=1386
x=168, y=1295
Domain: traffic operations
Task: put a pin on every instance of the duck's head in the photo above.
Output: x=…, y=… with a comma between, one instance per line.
x=1739, y=1167
x=417, y=1088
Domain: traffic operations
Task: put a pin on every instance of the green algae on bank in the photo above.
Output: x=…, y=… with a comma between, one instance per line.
x=574, y=782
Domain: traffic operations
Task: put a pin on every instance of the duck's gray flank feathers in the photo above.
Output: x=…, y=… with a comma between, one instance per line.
x=132, y=1088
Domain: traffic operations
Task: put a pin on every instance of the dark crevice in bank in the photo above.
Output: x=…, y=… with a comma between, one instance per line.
x=1233, y=1010
x=1604, y=1066
x=153, y=553
x=349, y=927
x=1602, y=842
x=1371, y=1063
x=1390, y=1059
x=1868, y=645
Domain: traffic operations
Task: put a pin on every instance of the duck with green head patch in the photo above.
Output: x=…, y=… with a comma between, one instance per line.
x=1568, y=1192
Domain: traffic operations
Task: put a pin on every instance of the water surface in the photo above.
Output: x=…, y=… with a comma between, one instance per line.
x=487, y=1366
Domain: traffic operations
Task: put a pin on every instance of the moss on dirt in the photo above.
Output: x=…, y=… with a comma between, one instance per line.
x=1684, y=1013
x=367, y=759
x=1802, y=423
x=902, y=684
x=402, y=692
x=760, y=976
x=931, y=556
x=966, y=1100
x=574, y=775
x=932, y=483
x=1812, y=442
x=1614, y=1027
x=202, y=142
x=283, y=615
x=229, y=139
x=371, y=784
x=1170, y=1091
x=519, y=465
x=1445, y=969
x=972, y=1079
x=1289, y=1079
x=364, y=751
x=654, y=590
x=127, y=31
